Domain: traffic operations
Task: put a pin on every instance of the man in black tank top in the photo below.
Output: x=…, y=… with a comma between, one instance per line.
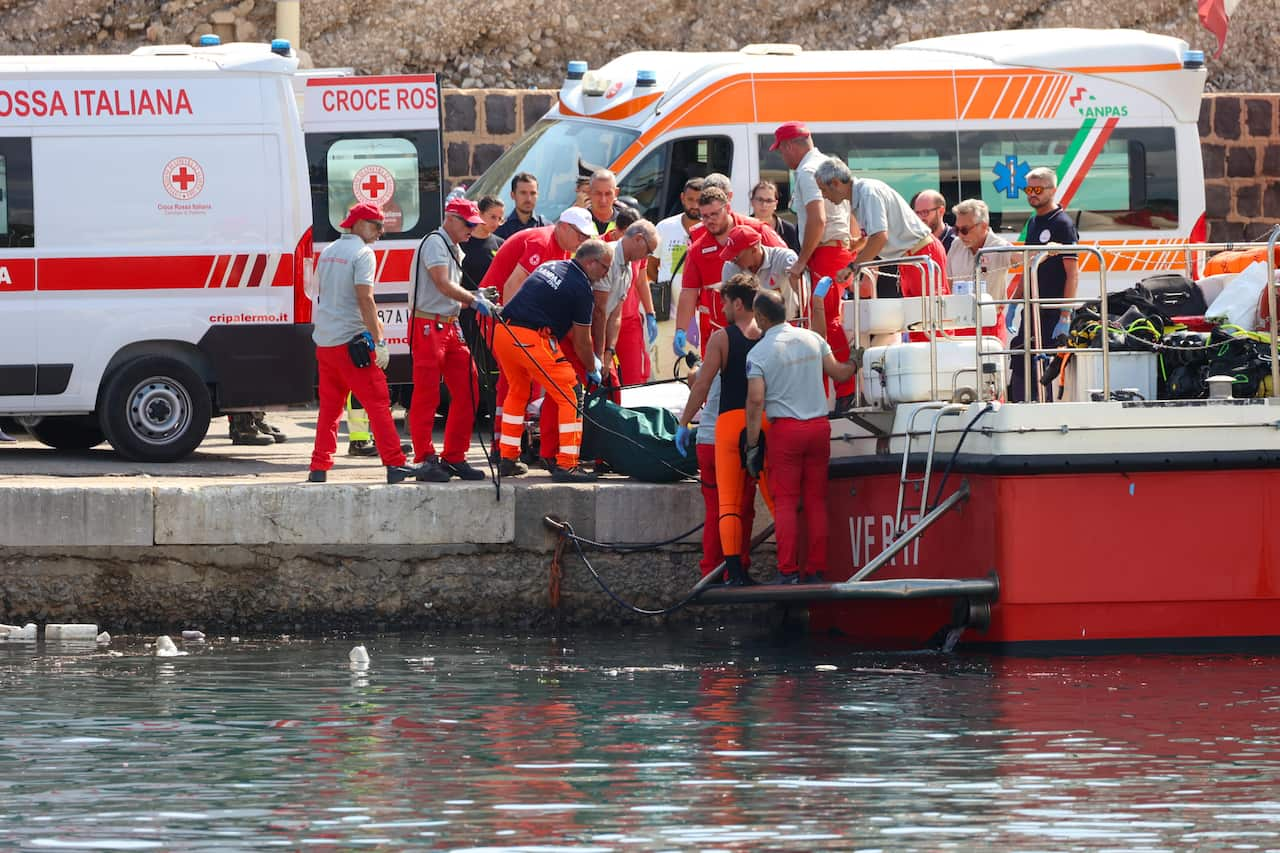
x=726, y=359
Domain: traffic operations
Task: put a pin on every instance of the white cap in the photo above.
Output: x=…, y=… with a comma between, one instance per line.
x=580, y=220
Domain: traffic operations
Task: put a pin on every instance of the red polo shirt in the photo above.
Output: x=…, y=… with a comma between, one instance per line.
x=702, y=265
x=527, y=249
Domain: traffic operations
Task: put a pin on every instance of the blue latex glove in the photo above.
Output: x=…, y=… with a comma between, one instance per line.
x=684, y=438
x=650, y=329
x=368, y=339
x=681, y=342
x=484, y=307
x=1063, y=329
x=593, y=375
x=821, y=288
x=1012, y=314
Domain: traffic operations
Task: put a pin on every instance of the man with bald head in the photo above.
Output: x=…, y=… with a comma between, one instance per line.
x=930, y=206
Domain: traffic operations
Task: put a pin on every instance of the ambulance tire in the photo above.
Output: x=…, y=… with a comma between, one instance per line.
x=155, y=409
x=70, y=432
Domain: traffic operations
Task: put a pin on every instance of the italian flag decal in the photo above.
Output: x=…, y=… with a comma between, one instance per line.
x=1081, y=154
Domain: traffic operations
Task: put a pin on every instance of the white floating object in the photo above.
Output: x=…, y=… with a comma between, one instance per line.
x=235, y=639
x=193, y=636
x=826, y=667
x=165, y=648
x=13, y=632
x=359, y=657
x=103, y=639
x=56, y=631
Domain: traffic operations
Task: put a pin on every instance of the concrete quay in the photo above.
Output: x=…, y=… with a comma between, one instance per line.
x=235, y=539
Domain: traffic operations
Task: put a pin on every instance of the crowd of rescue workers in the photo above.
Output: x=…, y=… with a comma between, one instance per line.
x=569, y=307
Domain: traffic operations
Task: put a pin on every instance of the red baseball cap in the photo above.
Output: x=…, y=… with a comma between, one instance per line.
x=465, y=208
x=790, y=130
x=740, y=237
x=364, y=210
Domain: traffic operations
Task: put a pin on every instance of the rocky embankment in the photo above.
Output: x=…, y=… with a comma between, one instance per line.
x=522, y=43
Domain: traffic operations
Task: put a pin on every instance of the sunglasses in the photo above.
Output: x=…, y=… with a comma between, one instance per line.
x=1036, y=190
x=963, y=230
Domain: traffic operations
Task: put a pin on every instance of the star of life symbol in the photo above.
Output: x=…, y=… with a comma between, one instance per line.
x=182, y=178
x=1011, y=175
x=373, y=184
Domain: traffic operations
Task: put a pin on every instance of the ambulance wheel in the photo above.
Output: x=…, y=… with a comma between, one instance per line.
x=70, y=432
x=155, y=409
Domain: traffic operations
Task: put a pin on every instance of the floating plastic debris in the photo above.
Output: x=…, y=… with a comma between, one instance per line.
x=193, y=636
x=56, y=631
x=13, y=632
x=359, y=657
x=103, y=639
x=165, y=648
x=826, y=667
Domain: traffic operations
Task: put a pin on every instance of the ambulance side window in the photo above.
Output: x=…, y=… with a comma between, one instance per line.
x=908, y=162
x=1131, y=182
x=17, y=222
x=400, y=173
x=656, y=181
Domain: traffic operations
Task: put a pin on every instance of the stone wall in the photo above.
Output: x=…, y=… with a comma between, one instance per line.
x=479, y=124
x=1240, y=144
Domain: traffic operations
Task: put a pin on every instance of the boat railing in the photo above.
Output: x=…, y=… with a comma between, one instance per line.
x=934, y=325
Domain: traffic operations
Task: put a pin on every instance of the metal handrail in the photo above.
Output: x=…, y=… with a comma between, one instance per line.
x=942, y=409
x=1031, y=299
x=929, y=296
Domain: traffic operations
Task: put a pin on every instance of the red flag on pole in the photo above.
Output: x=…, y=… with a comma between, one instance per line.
x=1214, y=16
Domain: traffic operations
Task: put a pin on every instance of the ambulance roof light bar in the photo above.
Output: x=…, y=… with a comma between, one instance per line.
x=644, y=78
x=281, y=47
x=1193, y=59
x=210, y=40
x=577, y=70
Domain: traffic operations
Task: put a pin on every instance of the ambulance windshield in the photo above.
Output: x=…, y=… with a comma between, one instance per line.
x=555, y=152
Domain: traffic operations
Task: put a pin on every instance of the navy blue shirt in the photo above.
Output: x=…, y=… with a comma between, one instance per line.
x=555, y=295
x=513, y=225
x=1053, y=227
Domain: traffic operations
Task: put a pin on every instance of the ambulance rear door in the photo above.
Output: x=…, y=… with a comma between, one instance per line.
x=377, y=139
x=18, y=295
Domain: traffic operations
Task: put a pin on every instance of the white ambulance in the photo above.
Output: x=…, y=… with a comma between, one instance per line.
x=154, y=229
x=1113, y=111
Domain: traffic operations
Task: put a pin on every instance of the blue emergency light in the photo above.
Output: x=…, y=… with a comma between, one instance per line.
x=1193, y=59
x=577, y=70
x=281, y=47
x=646, y=78
x=210, y=40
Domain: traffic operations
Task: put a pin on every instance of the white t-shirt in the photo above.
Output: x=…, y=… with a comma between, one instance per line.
x=439, y=251
x=837, y=227
x=345, y=263
x=673, y=241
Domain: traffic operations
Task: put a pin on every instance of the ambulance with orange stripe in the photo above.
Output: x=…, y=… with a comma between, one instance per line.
x=1113, y=111
x=154, y=233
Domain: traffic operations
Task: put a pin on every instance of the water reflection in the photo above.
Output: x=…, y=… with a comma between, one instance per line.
x=645, y=741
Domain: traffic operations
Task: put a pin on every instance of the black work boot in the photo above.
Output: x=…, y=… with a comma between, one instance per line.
x=243, y=432
x=432, y=471
x=361, y=447
x=260, y=423
x=512, y=468
x=463, y=470
x=400, y=473
x=734, y=573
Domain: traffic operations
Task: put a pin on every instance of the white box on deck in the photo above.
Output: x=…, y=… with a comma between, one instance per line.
x=899, y=373
x=1135, y=370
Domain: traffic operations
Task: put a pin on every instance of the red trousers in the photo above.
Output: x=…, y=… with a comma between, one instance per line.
x=338, y=378
x=829, y=260
x=911, y=279
x=712, y=553
x=440, y=351
x=633, y=355
x=798, y=453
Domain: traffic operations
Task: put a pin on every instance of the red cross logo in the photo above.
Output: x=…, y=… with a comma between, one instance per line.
x=373, y=184
x=183, y=178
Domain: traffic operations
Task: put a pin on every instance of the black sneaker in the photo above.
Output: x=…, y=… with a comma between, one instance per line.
x=361, y=447
x=785, y=579
x=317, y=476
x=399, y=473
x=571, y=475
x=602, y=467
x=734, y=573
x=463, y=470
x=431, y=472
x=251, y=439
x=512, y=468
